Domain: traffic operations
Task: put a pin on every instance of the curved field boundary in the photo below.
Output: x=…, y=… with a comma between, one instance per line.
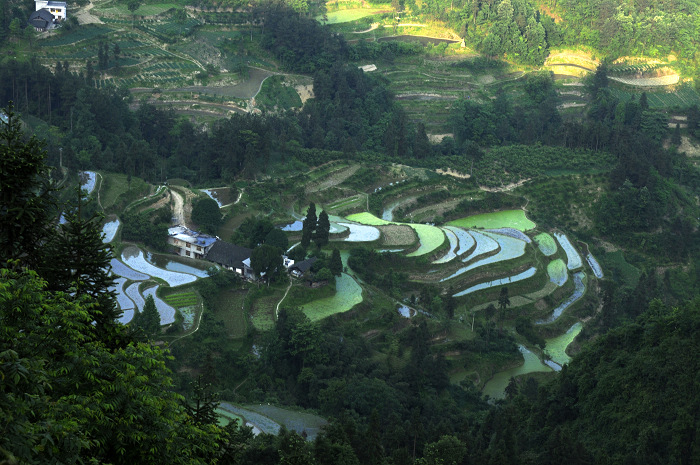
x=529, y=273
x=451, y=254
x=516, y=219
x=430, y=237
x=546, y=244
x=667, y=80
x=579, y=290
x=466, y=240
x=573, y=258
x=556, y=269
x=508, y=249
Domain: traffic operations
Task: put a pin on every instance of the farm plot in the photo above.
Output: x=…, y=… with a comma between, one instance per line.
x=451, y=253
x=529, y=273
x=166, y=312
x=503, y=219
x=134, y=258
x=546, y=244
x=579, y=289
x=573, y=259
x=466, y=241
x=430, y=237
x=87, y=181
x=361, y=232
x=347, y=294
x=120, y=269
x=511, y=232
x=508, y=248
x=595, y=266
x=122, y=299
x=228, y=306
x=684, y=97
x=262, y=312
x=346, y=16
x=86, y=32
x=133, y=293
x=222, y=195
x=293, y=420
x=397, y=235
x=556, y=346
x=667, y=80
x=162, y=261
x=556, y=269
x=182, y=299
x=496, y=386
x=109, y=230
x=263, y=423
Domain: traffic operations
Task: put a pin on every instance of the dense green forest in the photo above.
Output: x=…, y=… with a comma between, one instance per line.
x=76, y=386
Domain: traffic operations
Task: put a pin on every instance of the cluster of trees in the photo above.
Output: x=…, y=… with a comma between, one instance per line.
x=315, y=228
x=627, y=28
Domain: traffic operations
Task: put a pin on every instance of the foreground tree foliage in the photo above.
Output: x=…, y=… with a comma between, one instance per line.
x=66, y=397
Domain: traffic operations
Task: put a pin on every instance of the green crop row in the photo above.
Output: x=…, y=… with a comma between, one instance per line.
x=76, y=35
x=684, y=97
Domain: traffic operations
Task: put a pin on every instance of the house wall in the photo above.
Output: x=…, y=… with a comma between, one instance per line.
x=185, y=249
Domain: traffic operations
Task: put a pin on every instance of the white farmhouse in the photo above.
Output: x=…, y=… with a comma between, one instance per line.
x=57, y=9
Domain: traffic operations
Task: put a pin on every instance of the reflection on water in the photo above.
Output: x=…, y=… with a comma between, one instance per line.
x=496, y=386
x=162, y=261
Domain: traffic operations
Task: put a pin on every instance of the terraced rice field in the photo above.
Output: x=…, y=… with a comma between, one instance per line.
x=573, y=259
x=109, y=230
x=556, y=269
x=496, y=386
x=430, y=237
x=397, y=235
x=546, y=244
x=508, y=249
x=346, y=16
x=579, y=289
x=451, y=252
x=134, y=258
x=361, y=232
x=348, y=294
x=166, y=312
x=556, y=346
x=504, y=219
x=529, y=273
x=466, y=240
x=595, y=266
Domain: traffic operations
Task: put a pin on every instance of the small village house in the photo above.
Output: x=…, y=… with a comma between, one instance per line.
x=188, y=243
x=48, y=14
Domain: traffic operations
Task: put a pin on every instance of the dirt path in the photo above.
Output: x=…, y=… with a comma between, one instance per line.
x=506, y=188
x=85, y=17
x=277, y=308
x=178, y=208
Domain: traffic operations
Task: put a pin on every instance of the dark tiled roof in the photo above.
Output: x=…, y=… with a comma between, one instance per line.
x=304, y=266
x=41, y=19
x=229, y=255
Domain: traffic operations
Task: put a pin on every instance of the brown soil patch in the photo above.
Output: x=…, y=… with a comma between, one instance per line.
x=305, y=92
x=397, y=235
x=689, y=148
x=449, y=171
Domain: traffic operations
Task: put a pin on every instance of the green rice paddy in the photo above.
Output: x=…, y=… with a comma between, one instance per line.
x=430, y=237
x=546, y=244
x=504, y=219
x=345, y=16
x=556, y=347
x=348, y=294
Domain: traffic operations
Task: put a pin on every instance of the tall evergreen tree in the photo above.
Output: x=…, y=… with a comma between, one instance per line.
x=149, y=319
x=323, y=228
x=26, y=206
x=77, y=259
x=336, y=263
x=308, y=225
